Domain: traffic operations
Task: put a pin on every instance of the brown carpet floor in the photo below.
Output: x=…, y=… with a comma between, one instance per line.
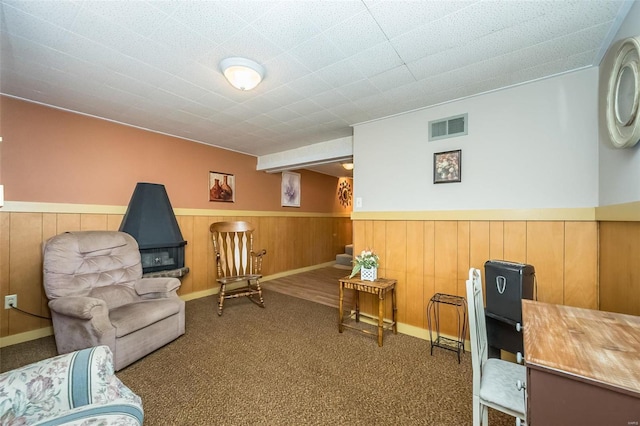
x=288, y=365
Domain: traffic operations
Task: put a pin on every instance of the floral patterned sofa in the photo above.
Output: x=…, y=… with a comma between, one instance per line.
x=77, y=388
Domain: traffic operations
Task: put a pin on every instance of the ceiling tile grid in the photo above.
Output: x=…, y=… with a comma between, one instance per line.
x=329, y=64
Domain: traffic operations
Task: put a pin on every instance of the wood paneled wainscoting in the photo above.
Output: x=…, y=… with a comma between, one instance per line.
x=434, y=256
x=293, y=241
x=620, y=267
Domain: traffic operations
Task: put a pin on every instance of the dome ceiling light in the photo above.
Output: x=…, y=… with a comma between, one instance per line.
x=347, y=166
x=242, y=73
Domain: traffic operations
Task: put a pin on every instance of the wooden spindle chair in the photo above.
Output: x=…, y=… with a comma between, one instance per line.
x=236, y=261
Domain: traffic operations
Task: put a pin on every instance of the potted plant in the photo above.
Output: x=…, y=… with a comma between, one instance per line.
x=366, y=263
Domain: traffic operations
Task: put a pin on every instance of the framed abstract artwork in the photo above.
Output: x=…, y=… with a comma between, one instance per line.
x=290, y=189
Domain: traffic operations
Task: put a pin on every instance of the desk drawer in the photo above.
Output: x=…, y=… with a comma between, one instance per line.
x=559, y=400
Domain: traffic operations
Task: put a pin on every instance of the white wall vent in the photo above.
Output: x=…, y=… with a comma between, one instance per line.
x=448, y=127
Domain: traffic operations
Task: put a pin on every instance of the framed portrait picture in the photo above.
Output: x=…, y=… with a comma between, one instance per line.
x=447, y=166
x=290, y=189
x=222, y=187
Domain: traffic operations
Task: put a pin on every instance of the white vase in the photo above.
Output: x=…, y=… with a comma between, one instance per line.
x=368, y=274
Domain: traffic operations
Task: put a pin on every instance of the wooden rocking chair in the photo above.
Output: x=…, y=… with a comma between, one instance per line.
x=236, y=261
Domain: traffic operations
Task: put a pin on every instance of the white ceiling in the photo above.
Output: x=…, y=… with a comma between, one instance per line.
x=329, y=64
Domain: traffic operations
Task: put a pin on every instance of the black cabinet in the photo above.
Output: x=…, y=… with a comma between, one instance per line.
x=506, y=283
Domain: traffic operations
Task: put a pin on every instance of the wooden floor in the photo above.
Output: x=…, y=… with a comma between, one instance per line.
x=318, y=285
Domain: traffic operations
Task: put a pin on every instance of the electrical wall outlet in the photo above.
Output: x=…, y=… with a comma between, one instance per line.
x=11, y=300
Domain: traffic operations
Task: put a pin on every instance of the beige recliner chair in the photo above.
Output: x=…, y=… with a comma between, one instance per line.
x=97, y=296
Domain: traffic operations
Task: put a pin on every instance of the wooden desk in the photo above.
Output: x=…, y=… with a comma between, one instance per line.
x=379, y=287
x=583, y=366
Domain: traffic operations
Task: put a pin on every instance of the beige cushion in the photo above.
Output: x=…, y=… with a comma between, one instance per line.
x=77, y=262
x=115, y=295
x=135, y=316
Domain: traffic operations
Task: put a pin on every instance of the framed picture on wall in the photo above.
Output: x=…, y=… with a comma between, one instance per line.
x=222, y=187
x=447, y=166
x=290, y=189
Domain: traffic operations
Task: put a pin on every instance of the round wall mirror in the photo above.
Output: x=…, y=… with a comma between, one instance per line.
x=626, y=97
x=623, y=96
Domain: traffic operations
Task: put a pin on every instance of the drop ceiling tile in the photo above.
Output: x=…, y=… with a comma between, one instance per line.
x=399, y=17
x=305, y=106
x=340, y=73
x=88, y=50
x=285, y=25
x=62, y=15
x=261, y=103
x=21, y=24
x=117, y=96
x=373, y=102
x=176, y=35
x=99, y=29
x=81, y=70
x=136, y=69
x=223, y=119
x=207, y=77
x=183, y=88
x=300, y=122
x=247, y=43
x=567, y=20
x=358, y=90
x=27, y=50
x=280, y=127
x=418, y=43
x=321, y=116
x=136, y=15
x=309, y=85
x=317, y=52
x=376, y=60
x=398, y=76
x=283, y=69
x=262, y=120
x=166, y=99
x=356, y=34
x=351, y=113
x=330, y=99
x=329, y=13
x=22, y=67
x=283, y=95
x=283, y=114
x=209, y=19
x=249, y=10
x=164, y=58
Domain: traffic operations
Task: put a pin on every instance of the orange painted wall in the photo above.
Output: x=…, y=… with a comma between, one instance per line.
x=55, y=156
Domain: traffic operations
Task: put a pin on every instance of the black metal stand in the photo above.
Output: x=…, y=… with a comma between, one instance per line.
x=459, y=303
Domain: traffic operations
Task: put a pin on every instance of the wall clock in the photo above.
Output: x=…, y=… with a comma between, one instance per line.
x=344, y=193
x=623, y=95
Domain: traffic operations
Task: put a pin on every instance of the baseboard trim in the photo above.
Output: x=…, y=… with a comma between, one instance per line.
x=48, y=331
x=409, y=330
x=14, y=339
x=296, y=271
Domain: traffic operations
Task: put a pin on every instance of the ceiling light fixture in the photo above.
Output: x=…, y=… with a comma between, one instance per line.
x=242, y=73
x=347, y=166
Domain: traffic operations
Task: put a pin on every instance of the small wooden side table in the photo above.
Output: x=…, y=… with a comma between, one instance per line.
x=379, y=287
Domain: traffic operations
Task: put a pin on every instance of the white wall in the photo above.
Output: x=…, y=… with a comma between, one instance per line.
x=530, y=146
x=619, y=168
